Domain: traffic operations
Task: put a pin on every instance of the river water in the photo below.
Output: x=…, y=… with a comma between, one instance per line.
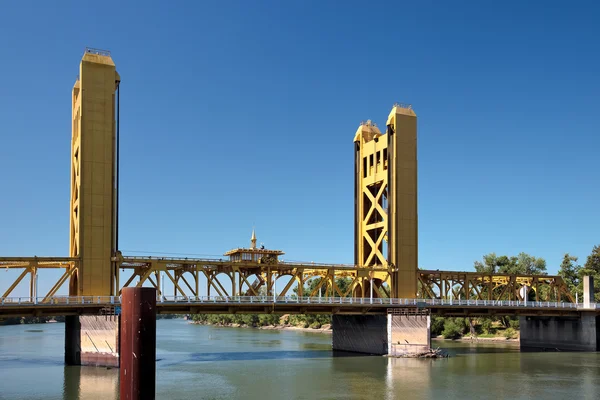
x=204, y=362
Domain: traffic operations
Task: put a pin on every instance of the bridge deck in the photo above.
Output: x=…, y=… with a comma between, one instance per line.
x=26, y=306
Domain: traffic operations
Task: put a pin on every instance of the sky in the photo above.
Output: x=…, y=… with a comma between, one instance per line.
x=241, y=114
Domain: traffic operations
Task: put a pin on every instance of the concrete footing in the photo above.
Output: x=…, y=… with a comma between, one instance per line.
x=92, y=340
x=395, y=334
x=560, y=333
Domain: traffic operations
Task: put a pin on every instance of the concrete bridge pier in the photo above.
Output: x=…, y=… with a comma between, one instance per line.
x=92, y=340
x=399, y=332
x=580, y=333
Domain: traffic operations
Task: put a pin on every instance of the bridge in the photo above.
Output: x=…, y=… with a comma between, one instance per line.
x=387, y=297
x=100, y=305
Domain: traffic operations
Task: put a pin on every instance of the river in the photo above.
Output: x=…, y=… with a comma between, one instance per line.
x=205, y=362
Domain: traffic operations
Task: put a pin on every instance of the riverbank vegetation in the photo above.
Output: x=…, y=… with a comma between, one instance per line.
x=312, y=321
x=485, y=327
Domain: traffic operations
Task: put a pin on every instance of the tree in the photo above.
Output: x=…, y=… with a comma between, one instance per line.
x=523, y=264
x=570, y=271
x=453, y=330
x=326, y=290
x=489, y=264
x=530, y=265
x=592, y=268
x=493, y=264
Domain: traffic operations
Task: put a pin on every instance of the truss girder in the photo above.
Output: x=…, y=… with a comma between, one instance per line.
x=184, y=274
x=479, y=286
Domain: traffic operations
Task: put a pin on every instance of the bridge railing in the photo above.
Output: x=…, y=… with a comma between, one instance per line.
x=59, y=300
x=281, y=300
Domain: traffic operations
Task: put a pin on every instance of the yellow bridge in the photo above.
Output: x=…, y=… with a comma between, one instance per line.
x=226, y=279
x=386, y=226
x=380, y=304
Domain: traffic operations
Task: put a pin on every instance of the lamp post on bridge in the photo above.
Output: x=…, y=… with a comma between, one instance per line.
x=162, y=287
x=371, y=288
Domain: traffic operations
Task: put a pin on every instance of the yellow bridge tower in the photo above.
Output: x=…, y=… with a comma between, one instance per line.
x=93, y=237
x=386, y=230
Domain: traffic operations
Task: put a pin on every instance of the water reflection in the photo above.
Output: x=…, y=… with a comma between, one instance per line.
x=90, y=383
x=255, y=355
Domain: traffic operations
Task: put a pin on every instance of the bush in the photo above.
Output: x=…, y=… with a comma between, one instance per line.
x=510, y=333
x=514, y=324
x=487, y=326
x=315, y=325
x=252, y=320
x=437, y=326
x=268, y=319
x=463, y=324
x=452, y=330
x=201, y=318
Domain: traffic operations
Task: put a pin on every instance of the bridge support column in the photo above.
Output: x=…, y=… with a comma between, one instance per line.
x=408, y=333
x=92, y=340
x=564, y=333
x=360, y=333
x=396, y=334
x=560, y=333
x=138, y=344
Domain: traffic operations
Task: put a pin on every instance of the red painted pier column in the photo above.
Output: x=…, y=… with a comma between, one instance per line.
x=138, y=344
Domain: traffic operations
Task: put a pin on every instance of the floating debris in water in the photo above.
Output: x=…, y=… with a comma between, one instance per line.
x=437, y=353
x=431, y=353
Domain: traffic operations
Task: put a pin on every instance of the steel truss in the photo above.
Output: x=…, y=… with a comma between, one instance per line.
x=480, y=286
x=229, y=279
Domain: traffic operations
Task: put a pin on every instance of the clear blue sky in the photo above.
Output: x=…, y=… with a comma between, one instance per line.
x=240, y=114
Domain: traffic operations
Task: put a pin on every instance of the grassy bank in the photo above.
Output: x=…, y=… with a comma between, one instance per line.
x=506, y=328
x=266, y=321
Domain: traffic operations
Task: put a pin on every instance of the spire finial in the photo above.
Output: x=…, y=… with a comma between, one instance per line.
x=253, y=240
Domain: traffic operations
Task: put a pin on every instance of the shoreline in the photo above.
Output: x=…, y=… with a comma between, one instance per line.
x=328, y=330
x=324, y=329
x=476, y=339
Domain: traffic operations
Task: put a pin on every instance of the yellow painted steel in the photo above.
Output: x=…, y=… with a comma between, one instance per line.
x=386, y=199
x=92, y=233
x=238, y=278
x=481, y=286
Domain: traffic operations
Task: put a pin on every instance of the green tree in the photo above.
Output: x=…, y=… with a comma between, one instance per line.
x=487, y=324
x=453, y=330
x=489, y=264
x=592, y=268
x=570, y=271
x=437, y=325
x=531, y=265
x=495, y=264
x=523, y=264
x=326, y=291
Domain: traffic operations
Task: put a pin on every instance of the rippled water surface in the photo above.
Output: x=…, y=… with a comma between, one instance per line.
x=201, y=362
